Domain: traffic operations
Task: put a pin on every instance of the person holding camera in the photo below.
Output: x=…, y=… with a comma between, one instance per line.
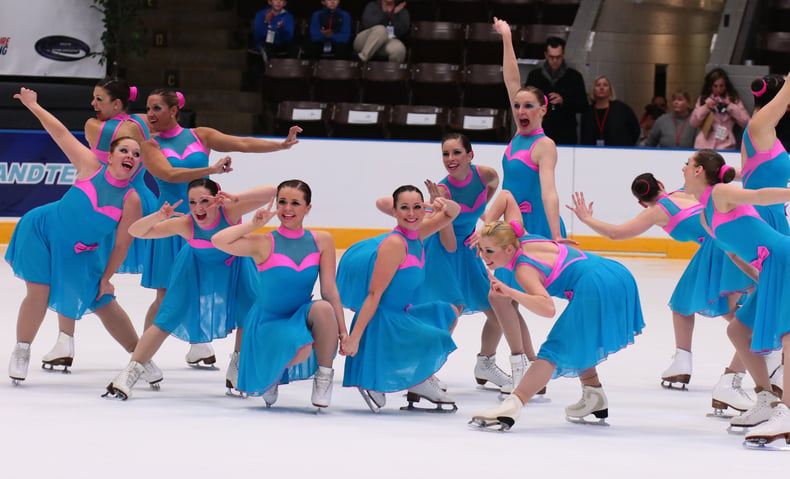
x=716, y=113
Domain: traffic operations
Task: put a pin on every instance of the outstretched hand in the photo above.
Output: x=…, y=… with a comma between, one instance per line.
x=583, y=211
x=222, y=198
x=264, y=215
x=222, y=166
x=27, y=97
x=291, y=139
x=435, y=191
x=167, y=211
x=502, y=27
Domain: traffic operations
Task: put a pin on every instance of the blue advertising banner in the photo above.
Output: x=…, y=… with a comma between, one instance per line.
x=33, y=171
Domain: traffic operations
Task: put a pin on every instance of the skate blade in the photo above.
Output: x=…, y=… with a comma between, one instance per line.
x=369, y=401
x=720, y=414
x=16, y=381
x=202, y=365
x=235, y=393
x=64, y=361
x=54, y=368
x=440, y=408
x=113, y=393
x=738, y=430
x=536, y=399
x=762, y=444
x=483, y=387
x=676, y=385
x=488, y=425
x=585, y=422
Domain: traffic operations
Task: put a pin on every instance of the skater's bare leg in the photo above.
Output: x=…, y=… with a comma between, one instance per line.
x=322, y=323
x=741, y=337
x=535, y=379
x=150, y=315
x=786, y=379
x=684, y=329
x=32, y=311
x=526, y=339
x=508, y=319
x=590, y=378
x=491, y=335
x=66, y=325
x=118, y=324
x=149, y=344
x=237, y=342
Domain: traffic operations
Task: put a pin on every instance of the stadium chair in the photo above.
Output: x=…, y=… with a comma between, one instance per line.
x=436, y=42
x=337, y=81
x=358, y=120
x=311, y=116
x=385, y=82
x=480, y=124
x=484, y=87
x=287, y=79
x=436, y=84
x=417, y=122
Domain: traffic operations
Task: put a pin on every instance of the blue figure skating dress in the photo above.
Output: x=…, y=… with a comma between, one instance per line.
x=183, y=149
x=522, y=178
x=710, y=275
x=137, y=254
x=764, y=169
x=60, y=244
x=276, y=326
x=403, y=345
x=460, y=277
x=743, y=231
x=603, y=314
x=210, y=291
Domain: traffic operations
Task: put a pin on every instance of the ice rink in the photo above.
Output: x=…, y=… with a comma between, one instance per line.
x=58, y=426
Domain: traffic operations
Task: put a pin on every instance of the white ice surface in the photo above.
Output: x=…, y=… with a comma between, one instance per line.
x=57, y=426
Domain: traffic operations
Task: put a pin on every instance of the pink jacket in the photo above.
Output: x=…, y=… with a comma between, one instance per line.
x=735, y=113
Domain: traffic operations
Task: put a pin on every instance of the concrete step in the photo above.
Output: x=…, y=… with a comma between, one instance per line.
x=176, y=58
x=223, y=101
x=235, y=123
x=203, y=78
x=189, y=38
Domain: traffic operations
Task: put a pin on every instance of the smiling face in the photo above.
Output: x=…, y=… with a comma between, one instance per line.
x=291, y=207
x=104, y=106
x=494, y=256
x=409, y=210
x=160, y=116
x=456, y=159
x=528, y=112
x=124, y=159
x=199, y=206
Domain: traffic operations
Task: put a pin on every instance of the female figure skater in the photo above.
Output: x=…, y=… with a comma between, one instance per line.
x=188, y=151
x=394, y=345
x=764, y=320
x=711, y=284
x=111, y=99
x=288, y=335
x=595, y=323
x=56, y=248
x=453, y=272
x=530, y=158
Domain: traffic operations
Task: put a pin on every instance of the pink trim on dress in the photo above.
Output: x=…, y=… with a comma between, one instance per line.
x=760, y=157
x=462, y=183
x=191, y=148
x=276, y=259
x=198, y=243
x=525, y=207
x=524, y=156
x=171, y=132
x=289, y=233
x=762, y=255
x=114, y=181
x=411, y=234
x=539, y=131
x=720, y=218
x=87, y=187
x=81, y=247
x=480, y=201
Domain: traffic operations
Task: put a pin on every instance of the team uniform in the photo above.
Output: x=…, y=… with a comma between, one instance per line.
x=459, y=277
x=403, y=344
x=710, y=275
x=522, y=179
x=135, y=257
x=276, y=326
x=764, y=169
x=210, y=291
x=603, y=314
x=183, y=149
x=60, y=244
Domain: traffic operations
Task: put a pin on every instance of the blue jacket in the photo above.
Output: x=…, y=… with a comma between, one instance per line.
x=340, y=22
x=282, y=23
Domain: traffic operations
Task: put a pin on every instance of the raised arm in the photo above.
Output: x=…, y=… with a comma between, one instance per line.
x=391, y=254
x=327, y=267
x=729, y=196
x=444, y=212
x=242, y=203
x=634, y=227
x=218, y=141
x=78, y=154
x=510, y=72
x=155, y=161
x=162, y=224
x=762, y=128
x=241, y=240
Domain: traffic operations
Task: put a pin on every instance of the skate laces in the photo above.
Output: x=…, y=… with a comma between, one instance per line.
x=322, y=383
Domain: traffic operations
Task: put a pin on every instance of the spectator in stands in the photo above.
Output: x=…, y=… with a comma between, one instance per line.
x=649, y=117
x=716, y=113
x=608, y=121
x=382, y=26
x=330, y=32
x=564, y=88
x=660, y=102
x=273, y=31
x=672, y=130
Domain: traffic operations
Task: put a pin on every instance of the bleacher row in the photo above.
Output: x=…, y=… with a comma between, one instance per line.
x=773, y=37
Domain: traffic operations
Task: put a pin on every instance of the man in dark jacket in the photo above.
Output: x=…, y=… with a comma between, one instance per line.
x=564, y=88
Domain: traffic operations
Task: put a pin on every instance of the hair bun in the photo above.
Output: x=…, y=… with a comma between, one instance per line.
x=181, y=100
x=132, y=93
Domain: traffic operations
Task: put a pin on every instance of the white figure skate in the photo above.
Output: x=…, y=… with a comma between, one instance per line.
x=322, y=387
x=374, y=399
x=121, y=386
x=769, y=435
x=678, y=374
x=201, y=353
x=271, y=395
x=152, y=375
x=758, y=414
x=61, y=355
x=728, y=393
x=20, y=360
x=519, y=364
x=487, y=371
x=431, y=391
x=593, y=402
x=232, y=377
x=499, y=418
